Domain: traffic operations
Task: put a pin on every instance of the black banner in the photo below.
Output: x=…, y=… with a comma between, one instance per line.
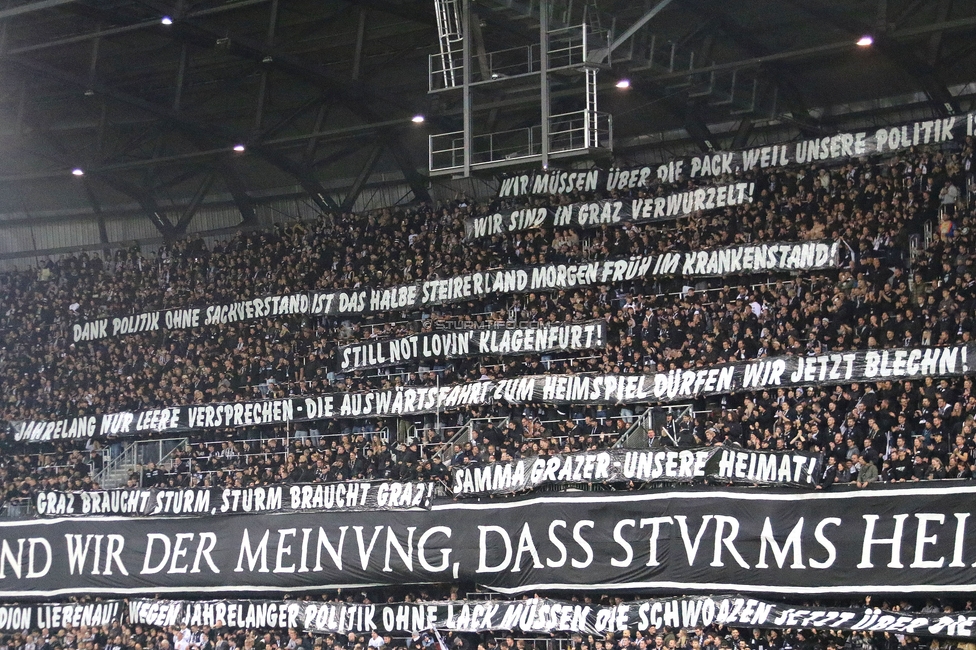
x=452, y=344
x=56, y=616
x=717, y=464
x=657, y=388
x=900, y=540
x=307, y=497
x=611, y=212
x=541, y=616
x=827, y=149
x=771, y=257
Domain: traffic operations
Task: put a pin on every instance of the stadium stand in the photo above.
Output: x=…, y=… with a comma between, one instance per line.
x=882, y=298
x=905, y=277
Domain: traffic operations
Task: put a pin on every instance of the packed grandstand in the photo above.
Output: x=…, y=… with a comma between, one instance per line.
x=718, y=401
x=903, y=279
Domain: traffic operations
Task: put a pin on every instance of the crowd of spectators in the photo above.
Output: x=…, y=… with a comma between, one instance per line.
x=879, y=298
x=124, y=636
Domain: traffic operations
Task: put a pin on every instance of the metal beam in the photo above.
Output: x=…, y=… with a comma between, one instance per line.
x=416, y=180
x=180, y=78
x=420, y=12
x=303, y=175
x=779, y=74
x=195, y=130
x=357, y=55
x=741, y=138
x=145, y=200
x=313, y=141
x=194, y=205
x=336, y=156
x=178, y=179
x=357, y=96
x=97, y=210
x=935, y=40
x=846, y=45
x=146, y=24
x=545, y=97
x=32, y=7
x=361, y=178
x=235, y=186
x=143, y=197
x=923, y=74
x=640, y=22
x=289, y=119
x=263, y=85
x=906, y=12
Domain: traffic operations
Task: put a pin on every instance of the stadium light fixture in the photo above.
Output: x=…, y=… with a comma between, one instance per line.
x=78, y=171
x=239, y=148
x=417, y=119
x=865, y=41
x=623, y=84
x=166, y=20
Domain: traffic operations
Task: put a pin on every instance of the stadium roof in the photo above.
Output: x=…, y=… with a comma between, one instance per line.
x=149, y=98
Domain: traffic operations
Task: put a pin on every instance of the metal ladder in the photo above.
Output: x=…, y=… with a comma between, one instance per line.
x=591, y=133
x=449, y=36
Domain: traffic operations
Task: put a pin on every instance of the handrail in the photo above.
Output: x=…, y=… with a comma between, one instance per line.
x=133, y=456
x=181, y=445
x=115, y=463
x=640, y=427
x=636, y=436
x=464, y=435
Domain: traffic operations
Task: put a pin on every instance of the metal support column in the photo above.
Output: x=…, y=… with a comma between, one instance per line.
x=592, y=120
x=195, y=203
x=466, y=83
x=357, y=55
x=180, y=76
x=544, y=80
x=93, y=64
x=263, y=81
x=99, y=216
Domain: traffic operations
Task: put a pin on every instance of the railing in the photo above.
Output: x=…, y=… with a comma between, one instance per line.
x=115, y=465
x=574, y=131
x=914, y=250
x=580, y=130
x=141, y=452
x=17, y=508
x=540, y=643
x=464, y=435
x=569, y=47
x=652, y=419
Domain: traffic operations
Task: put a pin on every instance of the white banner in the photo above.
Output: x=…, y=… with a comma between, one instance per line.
x=708, y=166
x=772, y=257
x=469, y=342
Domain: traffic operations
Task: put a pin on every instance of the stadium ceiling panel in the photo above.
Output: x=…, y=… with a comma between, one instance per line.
x=150, y=98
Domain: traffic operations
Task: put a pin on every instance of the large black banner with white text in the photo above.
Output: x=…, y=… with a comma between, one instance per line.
x=610, y=212
x=540, y=616
x=307, y=497
x=826, y=149
x=656, y=388
x=898, y=540
x=57, y=616
x=660, y=465
x=770, y=257
x=452, y=344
